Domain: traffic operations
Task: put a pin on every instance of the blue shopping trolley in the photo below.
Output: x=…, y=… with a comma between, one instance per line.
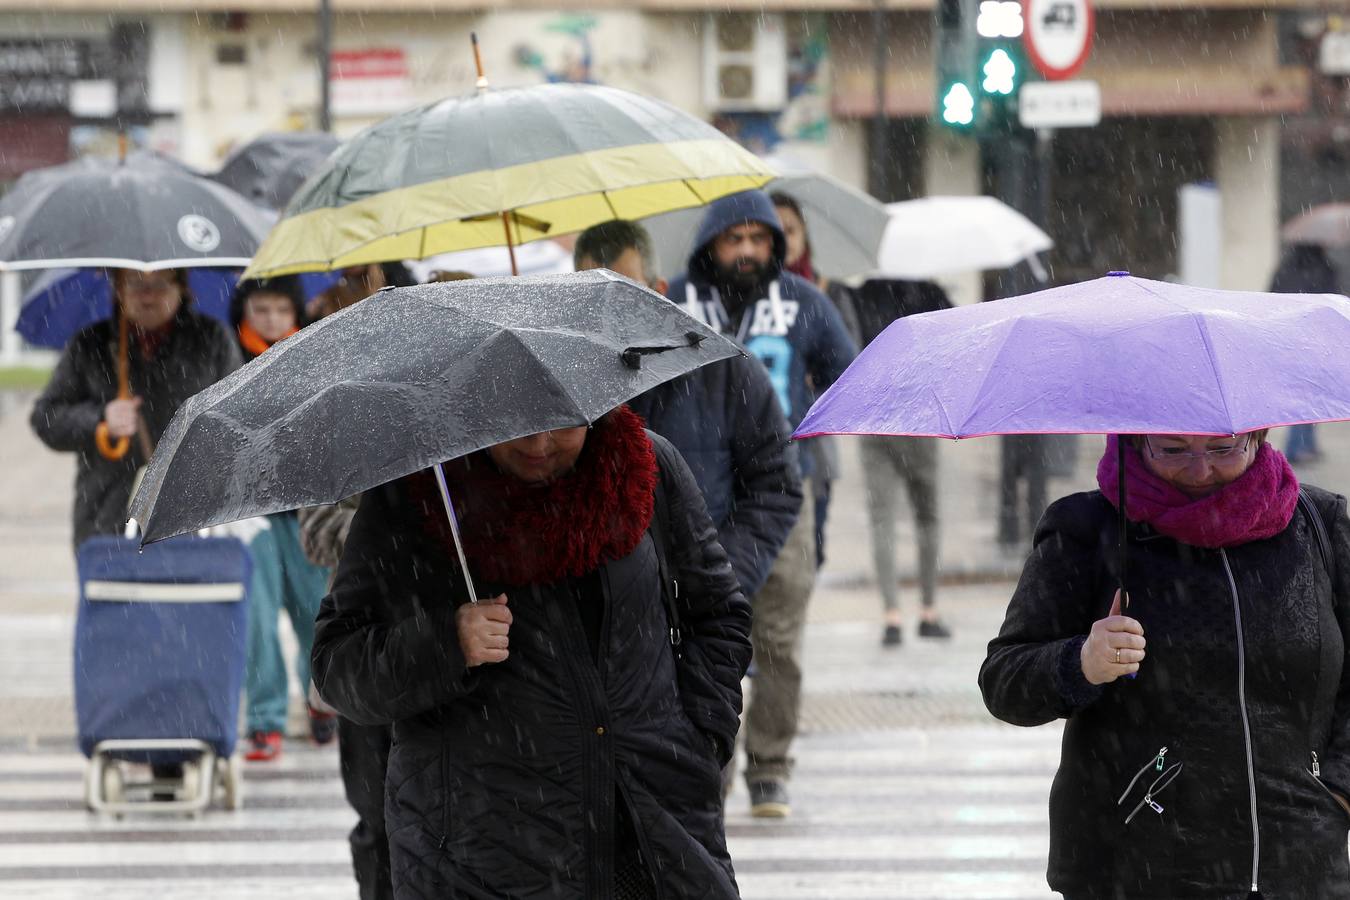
x=160, y=644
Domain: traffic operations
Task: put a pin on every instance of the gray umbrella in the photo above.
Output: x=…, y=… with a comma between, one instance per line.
x=845, y=226
x=410, y=378
x=142, y=213
x=270, y=168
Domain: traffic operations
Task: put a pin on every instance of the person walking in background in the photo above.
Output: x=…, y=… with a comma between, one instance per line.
x=363, y=749
x=1222, y=769
x=736, y=283
x=824, y=450
x=264, y=313
x=1305, y=269
x=171, y=352
x=890, y=462
x=725, y=420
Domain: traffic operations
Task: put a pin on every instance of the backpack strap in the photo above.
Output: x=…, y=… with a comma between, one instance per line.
x=1319, y=527
x=670, y=588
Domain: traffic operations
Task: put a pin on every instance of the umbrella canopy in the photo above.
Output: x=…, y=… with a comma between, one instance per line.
x=1327, y=225
x=269, y=169
x=61, y=302
x=557, y=157
x=142, y=213
x=409, y=378
x=1116, y=355
x=943, y=235
x=845, y=226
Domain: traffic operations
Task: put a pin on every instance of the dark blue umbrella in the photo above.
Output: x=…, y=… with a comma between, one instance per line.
x=63, y=301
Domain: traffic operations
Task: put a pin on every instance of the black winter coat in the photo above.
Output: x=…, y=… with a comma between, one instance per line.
x=198, y=353
x=1254, y=635
x=503, y=779
x=728, y=425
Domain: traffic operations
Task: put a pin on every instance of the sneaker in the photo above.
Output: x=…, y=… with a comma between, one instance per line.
x=769, y=800
x=934, y=629
x=264, y=746
x=322, y=725
x=891, y=637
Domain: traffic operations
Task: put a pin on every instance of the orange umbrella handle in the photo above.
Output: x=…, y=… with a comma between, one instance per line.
x=109, y=449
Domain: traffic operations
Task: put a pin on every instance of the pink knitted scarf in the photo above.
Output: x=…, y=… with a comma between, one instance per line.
x=1257, y=504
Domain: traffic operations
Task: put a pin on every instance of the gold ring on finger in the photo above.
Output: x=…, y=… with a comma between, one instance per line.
x=1117, y=656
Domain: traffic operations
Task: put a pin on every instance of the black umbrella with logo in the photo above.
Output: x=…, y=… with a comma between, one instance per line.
x=140, y=212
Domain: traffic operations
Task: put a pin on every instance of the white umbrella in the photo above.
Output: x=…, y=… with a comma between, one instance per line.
x=945, y=235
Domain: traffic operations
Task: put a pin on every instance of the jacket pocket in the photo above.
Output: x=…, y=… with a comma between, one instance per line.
x=1315, y=773
x=1155, y=776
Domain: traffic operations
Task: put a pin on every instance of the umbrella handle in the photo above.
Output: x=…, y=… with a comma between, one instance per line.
x=109, y=449
x=439, y=470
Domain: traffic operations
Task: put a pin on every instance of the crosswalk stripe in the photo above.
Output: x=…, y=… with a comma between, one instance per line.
x=876, y=816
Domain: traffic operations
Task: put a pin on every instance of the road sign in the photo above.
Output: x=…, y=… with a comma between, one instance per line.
x=1058, y=35
x=1060, y=104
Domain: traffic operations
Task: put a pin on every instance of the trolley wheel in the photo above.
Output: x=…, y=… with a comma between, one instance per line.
x=112, y=787
x=231, y=775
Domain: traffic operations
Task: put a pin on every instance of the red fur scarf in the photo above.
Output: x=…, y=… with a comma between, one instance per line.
x=517, y=533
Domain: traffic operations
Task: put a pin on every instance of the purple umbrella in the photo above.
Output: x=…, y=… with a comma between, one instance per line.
x=1117, y=355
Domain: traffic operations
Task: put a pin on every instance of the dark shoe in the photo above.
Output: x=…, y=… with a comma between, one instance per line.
x=264, y=746
x=322, y=725
x=769, y=800
x=934, y=629
x=891, y=637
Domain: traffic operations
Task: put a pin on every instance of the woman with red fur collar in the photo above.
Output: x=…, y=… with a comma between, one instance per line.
x=550, y=741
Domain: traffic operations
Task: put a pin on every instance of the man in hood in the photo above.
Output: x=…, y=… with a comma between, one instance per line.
x=737, y=284
x=723, y=418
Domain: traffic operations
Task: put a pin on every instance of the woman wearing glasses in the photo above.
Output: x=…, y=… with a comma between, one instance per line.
x=1206, y=750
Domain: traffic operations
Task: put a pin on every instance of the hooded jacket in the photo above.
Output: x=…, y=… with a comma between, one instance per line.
x=510, y=779
x=728, y=425
x=1161, y=790
x=792, y=327
x=197, y=353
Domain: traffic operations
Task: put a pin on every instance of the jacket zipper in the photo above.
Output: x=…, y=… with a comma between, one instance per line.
x=1316, y=773
x=1160, y=784
x=1246, y=723
x=1156, y=762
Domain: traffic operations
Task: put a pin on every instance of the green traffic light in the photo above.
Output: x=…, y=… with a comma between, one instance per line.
x=958, y=105
x=1000, y=73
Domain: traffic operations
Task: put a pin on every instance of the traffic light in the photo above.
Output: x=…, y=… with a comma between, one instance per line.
x=981, y=64
x=957, y=72
x=1002, y=62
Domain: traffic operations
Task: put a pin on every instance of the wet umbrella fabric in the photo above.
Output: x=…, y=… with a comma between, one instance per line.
x=62, y=302
x=409, y=378
x=1327, y=225
x=269, y=169
x=845, y=226
x=144, y=213
x=557, y=158
x=935, y=236
x=1116, y=355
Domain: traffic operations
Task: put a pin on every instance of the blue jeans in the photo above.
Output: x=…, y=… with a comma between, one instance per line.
x=1302, y=441
x=282, y=579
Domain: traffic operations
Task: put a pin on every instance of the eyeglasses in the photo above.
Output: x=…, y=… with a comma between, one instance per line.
x=1181, y=456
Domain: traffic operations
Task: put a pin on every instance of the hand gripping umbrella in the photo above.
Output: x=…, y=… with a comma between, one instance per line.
x=408, y=379
x=1117, y=355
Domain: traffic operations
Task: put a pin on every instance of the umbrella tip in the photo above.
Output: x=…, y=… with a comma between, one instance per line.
x=1119, y=273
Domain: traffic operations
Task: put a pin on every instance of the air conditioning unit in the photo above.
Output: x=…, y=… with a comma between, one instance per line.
x=744, y=62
